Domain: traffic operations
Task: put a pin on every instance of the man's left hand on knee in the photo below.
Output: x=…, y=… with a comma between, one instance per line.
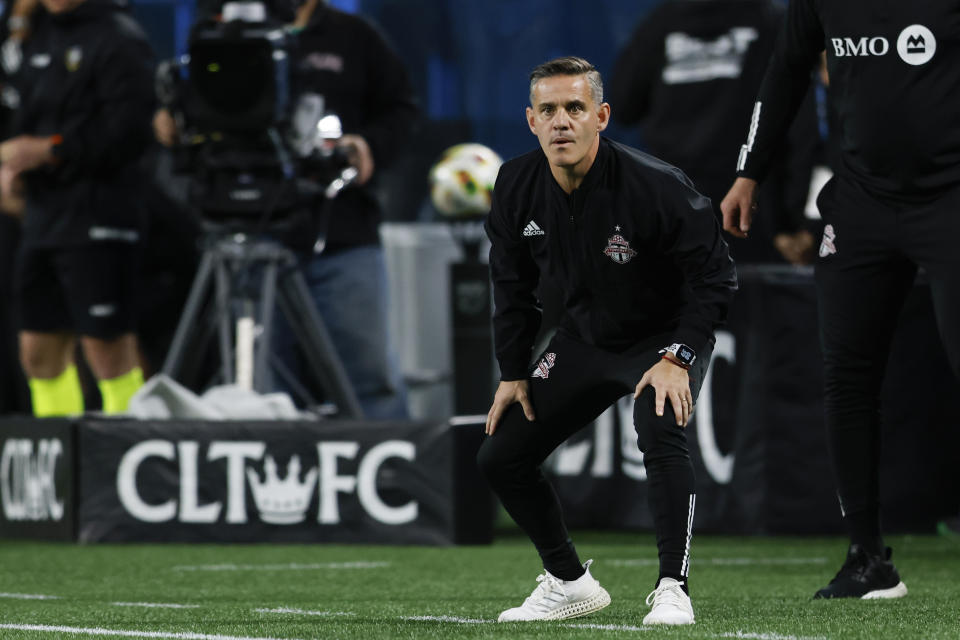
x=670, y=381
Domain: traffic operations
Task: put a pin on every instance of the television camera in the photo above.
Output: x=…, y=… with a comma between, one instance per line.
x=255, y=155
x=262, y=170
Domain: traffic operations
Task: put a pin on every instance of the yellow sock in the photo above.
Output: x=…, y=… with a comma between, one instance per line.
x=116, y=392
x=60, y=396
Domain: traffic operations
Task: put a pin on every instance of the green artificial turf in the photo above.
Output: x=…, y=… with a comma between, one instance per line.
x=741, y=587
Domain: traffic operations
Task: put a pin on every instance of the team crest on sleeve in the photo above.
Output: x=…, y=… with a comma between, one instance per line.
x=828, y=244
x=543, y=367
x=618, y=249
x=72, y=58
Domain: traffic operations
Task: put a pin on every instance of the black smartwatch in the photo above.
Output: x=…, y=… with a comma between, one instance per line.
x=685, y=355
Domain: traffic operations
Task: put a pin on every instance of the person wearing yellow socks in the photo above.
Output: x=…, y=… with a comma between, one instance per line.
x=74, y=158
x=63, y=396
x=114, y=363
x=116, y=392
x=58, y=396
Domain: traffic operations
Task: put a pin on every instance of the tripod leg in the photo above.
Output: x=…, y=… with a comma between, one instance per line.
x=224, y=315
x=297, y=388
x=311, y=333
x=268, y=298
x=173, y=364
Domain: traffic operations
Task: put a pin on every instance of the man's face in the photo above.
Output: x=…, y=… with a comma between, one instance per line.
x=566, y=120
x=60, y=6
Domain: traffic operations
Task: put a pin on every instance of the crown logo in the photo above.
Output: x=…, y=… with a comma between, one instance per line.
x=282, y=501
x=916, y=44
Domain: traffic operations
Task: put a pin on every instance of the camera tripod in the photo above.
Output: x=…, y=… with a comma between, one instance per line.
x=251, y=276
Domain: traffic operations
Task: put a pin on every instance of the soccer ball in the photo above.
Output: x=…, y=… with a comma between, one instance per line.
x=461, y=182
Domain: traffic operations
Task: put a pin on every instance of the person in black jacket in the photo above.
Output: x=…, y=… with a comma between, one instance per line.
x=86, y=98
x=15, y=24
x=646, y=278
x=346, y=60
x=687, y=76
x=890, y=208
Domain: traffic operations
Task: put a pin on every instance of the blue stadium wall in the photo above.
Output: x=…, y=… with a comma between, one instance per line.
x=468, y=61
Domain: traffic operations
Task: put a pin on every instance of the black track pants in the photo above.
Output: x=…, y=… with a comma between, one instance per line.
x=867, y=265
x=579, y=385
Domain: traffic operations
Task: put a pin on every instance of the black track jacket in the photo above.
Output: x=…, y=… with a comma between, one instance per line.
x=894, y=84
x=635, y=249
x=86, y=75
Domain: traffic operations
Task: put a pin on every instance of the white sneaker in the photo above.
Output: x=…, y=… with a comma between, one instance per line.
x=556, y=599
x=670, y=604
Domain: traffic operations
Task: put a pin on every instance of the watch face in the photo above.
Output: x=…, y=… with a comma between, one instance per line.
x=685, y=354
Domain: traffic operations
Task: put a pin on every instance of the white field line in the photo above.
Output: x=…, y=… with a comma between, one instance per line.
x=304, y=612
x=187, y=635
x=747, y=635
x=455, y=620
x=124, y=633
x=445, y=619
x=736, y=562
x=293, y=566
x=27, y=596
x=740, y=635
x=155, y=605
x=608, y=627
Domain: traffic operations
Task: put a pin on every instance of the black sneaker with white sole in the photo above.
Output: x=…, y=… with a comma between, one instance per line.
x=865, y=575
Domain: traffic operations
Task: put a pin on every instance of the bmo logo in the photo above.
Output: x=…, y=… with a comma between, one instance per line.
x=850, y=47
x=915, y=45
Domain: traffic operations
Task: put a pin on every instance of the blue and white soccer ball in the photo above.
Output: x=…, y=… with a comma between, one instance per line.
x=461, y=181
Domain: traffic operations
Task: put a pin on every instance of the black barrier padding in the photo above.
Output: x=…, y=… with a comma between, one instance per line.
x=794, y=471
x=473, y=504
x=920, y=441
x=472, y=338
x=354, y=512
x=37, y=479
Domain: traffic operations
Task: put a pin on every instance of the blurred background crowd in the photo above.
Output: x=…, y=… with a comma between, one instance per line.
x=420, y=76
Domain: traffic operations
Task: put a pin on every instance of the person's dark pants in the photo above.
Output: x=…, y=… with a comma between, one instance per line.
x=581, y=383
x=867, y=265
x=14, y=393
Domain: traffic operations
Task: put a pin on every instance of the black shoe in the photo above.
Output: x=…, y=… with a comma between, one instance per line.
x=865, y=575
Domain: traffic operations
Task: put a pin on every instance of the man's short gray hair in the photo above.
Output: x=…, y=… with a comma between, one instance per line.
x=569, y=66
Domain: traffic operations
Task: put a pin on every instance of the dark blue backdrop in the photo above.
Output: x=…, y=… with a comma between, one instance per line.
x=468, y=60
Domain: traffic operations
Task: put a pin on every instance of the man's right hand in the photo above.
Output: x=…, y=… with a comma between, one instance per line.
x=508, y=392
x=739, y=206
x=359, y=156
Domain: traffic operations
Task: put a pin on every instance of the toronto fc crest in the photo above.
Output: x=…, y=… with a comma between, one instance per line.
x=72, y=58
x=543, y=367
x=828, y=244
x=618, y=249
